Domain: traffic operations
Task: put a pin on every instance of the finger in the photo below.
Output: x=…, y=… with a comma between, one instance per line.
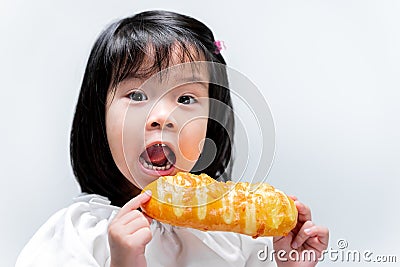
x=136, y=224
x=303, y=211
x=302, y=235
x=134, y=203
x=149, y=219
x=130, y=216
x=314, y=244
x=312, y=257
x=142, y=236
x=319, y=236
x=278, y=238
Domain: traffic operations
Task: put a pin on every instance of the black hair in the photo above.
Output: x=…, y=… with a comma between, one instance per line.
x=119, y=50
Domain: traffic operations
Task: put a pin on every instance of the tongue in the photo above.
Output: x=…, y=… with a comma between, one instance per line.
x=157, y=155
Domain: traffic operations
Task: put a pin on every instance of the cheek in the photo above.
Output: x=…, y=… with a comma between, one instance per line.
x=123, y=135
x=133, y=134
x=114, y=129
x=191, y=139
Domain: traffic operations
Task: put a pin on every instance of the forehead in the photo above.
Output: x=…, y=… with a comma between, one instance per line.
x=171, y=62
x=180, y=68
x=176, y=74
x=170, y=65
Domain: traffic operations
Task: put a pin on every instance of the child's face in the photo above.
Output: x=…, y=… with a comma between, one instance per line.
x=157, y=127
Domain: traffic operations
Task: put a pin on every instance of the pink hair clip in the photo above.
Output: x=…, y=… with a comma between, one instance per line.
x=219, y=45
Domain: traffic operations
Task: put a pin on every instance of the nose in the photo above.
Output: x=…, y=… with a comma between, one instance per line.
x=161, y=117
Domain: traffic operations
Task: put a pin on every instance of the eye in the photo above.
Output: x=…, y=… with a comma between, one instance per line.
x=186, y=100
x=137, y=96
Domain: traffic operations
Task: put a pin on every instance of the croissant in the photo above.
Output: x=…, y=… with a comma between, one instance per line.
x=200, y=202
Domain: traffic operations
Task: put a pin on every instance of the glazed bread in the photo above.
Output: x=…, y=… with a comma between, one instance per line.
x=200, y=202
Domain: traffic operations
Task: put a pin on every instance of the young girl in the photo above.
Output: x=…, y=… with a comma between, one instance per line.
x=145, y=109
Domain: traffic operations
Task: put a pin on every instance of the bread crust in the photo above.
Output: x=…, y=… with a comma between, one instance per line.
x=200, y=202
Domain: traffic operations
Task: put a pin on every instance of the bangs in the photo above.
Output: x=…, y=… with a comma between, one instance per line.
x=141, y=54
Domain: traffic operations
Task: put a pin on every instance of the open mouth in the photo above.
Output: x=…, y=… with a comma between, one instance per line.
x=157, y=157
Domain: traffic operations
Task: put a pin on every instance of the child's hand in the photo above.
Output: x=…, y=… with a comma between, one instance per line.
x=304, y=237
x=128, y=234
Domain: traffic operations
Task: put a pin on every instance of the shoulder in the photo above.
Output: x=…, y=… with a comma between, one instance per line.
x=74, y=235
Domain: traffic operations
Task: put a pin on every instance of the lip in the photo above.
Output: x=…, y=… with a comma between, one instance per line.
x=160, y=142
x=157, y=173
x=160, y=172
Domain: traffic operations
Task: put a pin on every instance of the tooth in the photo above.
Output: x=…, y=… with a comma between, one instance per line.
x=163, y=145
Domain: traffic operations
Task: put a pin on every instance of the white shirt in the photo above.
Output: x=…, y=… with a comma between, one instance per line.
x=77, y=236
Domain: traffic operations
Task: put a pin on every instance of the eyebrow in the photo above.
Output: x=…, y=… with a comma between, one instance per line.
x=195, y=79
x=182, y=81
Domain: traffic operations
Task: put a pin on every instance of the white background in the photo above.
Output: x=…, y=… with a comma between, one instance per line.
x=329, y=70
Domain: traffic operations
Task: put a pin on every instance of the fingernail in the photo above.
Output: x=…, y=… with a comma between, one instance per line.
x=294, y=245
x=307, y=231
x=148, y=192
